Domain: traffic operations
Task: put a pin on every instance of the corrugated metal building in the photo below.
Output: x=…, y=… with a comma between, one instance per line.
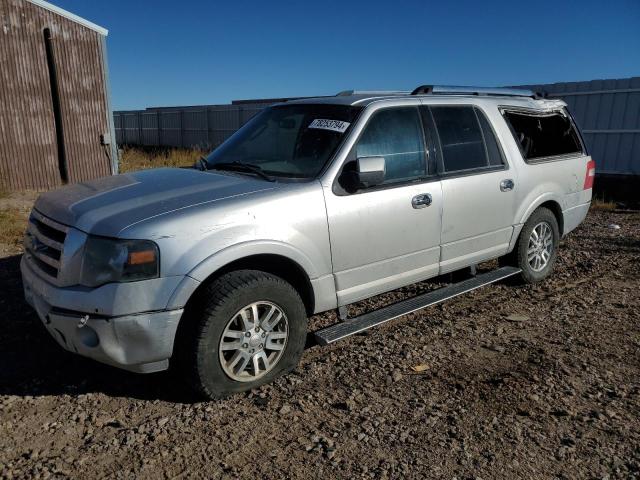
x=56, y=123
x=608, y=112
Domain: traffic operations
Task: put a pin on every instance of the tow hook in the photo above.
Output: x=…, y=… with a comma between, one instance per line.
x=83, y=321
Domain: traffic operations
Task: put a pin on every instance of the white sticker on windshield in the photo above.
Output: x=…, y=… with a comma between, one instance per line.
x=333, y=125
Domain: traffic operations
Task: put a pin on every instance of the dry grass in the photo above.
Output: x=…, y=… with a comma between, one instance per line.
x=13, y=223
x=600, y=204
x=133, y=159
x=14, y=212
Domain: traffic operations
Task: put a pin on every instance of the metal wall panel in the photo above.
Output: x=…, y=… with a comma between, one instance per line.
x=131, y=128
x=28, y=145
x=195, y=128
x=170, y=128
x=608, y=113
x=204, y=126
x=118, y=122
x=149, y=128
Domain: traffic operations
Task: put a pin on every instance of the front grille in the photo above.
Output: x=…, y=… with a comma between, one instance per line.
x=44, y=244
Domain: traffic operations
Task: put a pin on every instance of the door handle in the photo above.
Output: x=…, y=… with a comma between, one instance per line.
x=421, y=201
x=506, y=185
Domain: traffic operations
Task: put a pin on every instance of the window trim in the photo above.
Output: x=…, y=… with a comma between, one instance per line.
x=504, y=109
x=428, y=127
x=338, y=190
x=442, y=173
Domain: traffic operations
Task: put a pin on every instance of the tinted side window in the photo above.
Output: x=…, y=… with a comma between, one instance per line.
x=493, y=150
x=544, y=135
x=461, y=138
x=396, y=135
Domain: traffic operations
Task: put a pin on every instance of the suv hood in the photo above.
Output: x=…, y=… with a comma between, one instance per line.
x=107, y=206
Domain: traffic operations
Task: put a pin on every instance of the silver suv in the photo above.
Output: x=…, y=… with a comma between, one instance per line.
x=312, y=205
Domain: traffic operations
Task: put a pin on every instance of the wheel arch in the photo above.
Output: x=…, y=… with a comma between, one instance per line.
x=547, y=201
x=274, y=264
x=271, y=257
x=557, y=212
x=550, y=202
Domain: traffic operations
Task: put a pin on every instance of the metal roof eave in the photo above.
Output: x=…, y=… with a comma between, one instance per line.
x=70, y=16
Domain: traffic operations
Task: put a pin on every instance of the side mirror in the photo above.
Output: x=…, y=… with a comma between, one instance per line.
x=370, y=171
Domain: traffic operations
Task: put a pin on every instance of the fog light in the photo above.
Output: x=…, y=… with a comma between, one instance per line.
x=88, y=336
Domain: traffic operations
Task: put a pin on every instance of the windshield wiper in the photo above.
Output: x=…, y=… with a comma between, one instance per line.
x=241, y=167
x=201, y=164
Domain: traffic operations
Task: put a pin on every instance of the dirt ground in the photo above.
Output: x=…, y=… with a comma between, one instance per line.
x=516, y=382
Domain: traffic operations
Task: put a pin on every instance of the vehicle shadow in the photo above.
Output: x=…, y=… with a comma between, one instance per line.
x=33, y=364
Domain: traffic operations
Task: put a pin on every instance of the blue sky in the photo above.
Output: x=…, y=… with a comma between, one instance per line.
x=204, y=52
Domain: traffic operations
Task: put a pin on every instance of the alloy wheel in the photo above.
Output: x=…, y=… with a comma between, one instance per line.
x=540, y=246
x=253, y=341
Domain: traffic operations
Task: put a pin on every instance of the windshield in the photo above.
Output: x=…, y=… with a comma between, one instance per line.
x=287, y=140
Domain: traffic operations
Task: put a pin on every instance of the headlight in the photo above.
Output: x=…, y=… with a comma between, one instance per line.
x=109, y=260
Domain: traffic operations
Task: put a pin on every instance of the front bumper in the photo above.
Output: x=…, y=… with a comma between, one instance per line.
x=139, y=342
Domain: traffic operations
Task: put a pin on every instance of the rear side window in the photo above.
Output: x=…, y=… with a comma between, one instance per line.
x=542, y=135
x=467, y=141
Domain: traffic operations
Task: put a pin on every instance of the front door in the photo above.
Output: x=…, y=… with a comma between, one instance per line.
x=386, y=236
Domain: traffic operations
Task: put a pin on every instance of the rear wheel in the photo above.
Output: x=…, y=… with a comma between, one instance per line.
x=535, y=252
x=245, y=329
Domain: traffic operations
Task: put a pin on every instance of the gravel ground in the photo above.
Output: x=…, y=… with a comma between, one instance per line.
x=512, y=382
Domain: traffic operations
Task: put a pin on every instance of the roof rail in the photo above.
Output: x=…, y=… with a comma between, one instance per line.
x=346, y=93
x=458, y=90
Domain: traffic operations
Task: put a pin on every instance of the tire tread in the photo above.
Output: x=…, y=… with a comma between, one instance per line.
x=204, y=310
x=518, y=257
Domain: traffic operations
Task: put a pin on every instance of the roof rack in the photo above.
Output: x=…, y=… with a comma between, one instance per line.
x=458, y=90
x=346, y=93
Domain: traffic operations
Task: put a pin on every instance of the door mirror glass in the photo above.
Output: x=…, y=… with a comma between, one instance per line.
x=370, y=171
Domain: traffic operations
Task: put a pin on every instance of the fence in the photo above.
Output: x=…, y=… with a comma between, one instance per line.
x=203, y=127
x=607, y=111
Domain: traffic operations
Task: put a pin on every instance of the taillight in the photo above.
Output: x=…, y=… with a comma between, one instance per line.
x=591, y=174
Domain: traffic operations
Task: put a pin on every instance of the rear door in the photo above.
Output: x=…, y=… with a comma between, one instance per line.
x=477, y=187
x=386, y=236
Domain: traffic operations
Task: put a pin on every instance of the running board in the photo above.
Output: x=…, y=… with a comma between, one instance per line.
x=358, y=324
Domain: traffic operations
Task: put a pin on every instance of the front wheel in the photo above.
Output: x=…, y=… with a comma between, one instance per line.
x=535, y=252
x=245, y=329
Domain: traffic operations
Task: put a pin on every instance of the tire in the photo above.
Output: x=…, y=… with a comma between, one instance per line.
x=543, y=220
x=215, y=334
